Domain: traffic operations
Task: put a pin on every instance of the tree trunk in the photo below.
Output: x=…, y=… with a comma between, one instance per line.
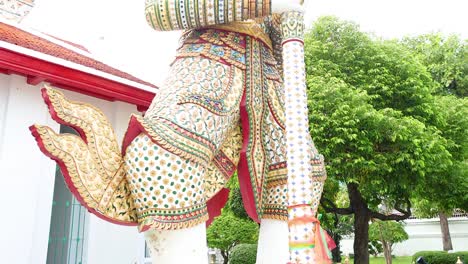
x=444, y=227
x=225, y=255
x=387, y=249
x=361, y=224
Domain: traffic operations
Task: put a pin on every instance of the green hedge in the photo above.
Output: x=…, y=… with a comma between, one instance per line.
x=243, y=254
x=442, y=257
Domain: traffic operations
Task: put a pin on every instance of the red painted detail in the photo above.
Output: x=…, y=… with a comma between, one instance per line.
x=4, y=71
x=243, y=167
x=142, y=108
x=144, y=228
x=293, y=40
x=72, y=79
x=274, y=116
x=69, y=182
x=34, y=80
x=216, y=203
x=81, y=47
x=133, y=130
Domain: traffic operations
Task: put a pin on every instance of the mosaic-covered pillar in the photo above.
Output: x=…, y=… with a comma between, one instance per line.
x=306, y=171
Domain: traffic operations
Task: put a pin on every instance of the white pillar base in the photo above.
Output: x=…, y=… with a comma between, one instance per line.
x=178, y=246
x=273, y=242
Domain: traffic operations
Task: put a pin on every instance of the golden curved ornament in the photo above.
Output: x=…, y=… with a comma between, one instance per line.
x=91, y=163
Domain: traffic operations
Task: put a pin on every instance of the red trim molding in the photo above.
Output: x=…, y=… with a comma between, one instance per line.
x=37, y=70
x=34, y=80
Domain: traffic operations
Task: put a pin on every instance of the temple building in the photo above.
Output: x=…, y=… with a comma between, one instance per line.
x=41, y=221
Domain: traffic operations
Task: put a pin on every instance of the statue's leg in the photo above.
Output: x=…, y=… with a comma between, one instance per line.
x=170, y=204
x=168, y=160
x=166, y=245
x=273, y=247
x=178, y=246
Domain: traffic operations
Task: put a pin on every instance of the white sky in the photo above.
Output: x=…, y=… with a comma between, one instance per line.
x=116, y=31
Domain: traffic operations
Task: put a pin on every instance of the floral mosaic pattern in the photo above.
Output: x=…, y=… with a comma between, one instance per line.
x=164, y=186
x=194, y=121
x=188, y=14
x=15, y=10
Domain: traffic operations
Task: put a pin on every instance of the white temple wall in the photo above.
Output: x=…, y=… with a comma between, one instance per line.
x=425, y=234
x=27, y=181
x=26, y=175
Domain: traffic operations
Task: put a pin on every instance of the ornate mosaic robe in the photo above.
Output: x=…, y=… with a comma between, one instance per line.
x=220, y=109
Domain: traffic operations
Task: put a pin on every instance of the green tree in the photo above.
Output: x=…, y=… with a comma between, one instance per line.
x=235, y=203
x=453, y=179
x=387, y=234
x=369, y=104
x=446, y=58
x=337, y=226
x=227, y=231
x=375, y=247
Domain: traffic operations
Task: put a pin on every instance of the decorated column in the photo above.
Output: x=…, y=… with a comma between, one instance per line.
x=306, y=171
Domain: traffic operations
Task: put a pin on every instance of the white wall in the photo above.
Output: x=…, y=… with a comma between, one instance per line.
x=27, y=181
x=425, y=234
x=108, y=243
x=26, y=175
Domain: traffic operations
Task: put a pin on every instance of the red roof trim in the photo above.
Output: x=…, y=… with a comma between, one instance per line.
x=71, y=79
x=19, y=37
x=78, y=46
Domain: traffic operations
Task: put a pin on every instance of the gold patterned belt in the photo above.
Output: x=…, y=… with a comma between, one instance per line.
x=249, y=27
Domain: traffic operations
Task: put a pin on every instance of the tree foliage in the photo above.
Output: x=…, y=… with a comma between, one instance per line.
x=446, y=190
x=368, y=101
x=384, y=235
x=233, y=226
x=227, y=231
x=337, y=226
x=454, y=178
x=446, y=58
x=374, y=117
x=236, y=204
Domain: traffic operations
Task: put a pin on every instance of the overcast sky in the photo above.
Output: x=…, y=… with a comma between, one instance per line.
x=116, y=31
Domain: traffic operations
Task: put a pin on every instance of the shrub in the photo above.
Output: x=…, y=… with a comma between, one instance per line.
x=462, y=254
x=426, y=254
x=441, y=257
x=243, y=254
